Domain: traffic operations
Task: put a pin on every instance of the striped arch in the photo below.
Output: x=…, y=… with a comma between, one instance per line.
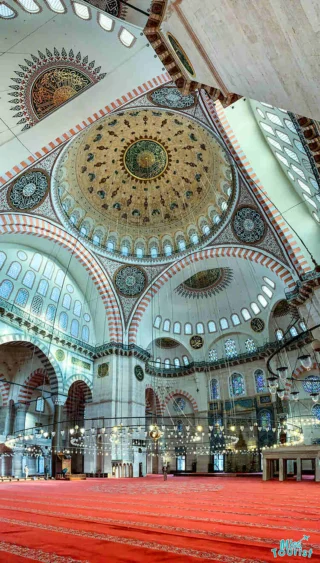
x=151, y=398
x=215, y=252
x=180, y=393
x=218, y=116
x=43, y=354
x=4, y=390
x=35, y=379
x=84, y=383
x=16, y=223
x=297, y=373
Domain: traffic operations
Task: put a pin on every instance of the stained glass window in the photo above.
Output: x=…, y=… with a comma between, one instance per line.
x=250, y=345
x=14, y=270
x=259, y=381
x=81, y=10
x=230, y=348
x=22, y=297
x=28, y=279
x=56, y=6
x=85, y=334
x=214, y=390
x=179, y=404
x=55, y=294
x=77, y=308
x=48, y=271
x=311, y=384
x=3, y=258
x=105, y=22
x=43, y=287
x=74, y=328
x=30, y=6
x=6, y=288
x=212, y=326
x=213, y=355
x=157, y=322
x=177, y=328
x=63, y=321
x=316, y=411
x=179, y=426
x=36, y=305
x=237, y=388
x=66, y=303
x=50, y=313
x=279, y=334
x=265, y=419
x=166, y=325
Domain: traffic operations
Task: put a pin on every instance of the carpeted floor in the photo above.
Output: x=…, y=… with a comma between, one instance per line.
x=230, y=520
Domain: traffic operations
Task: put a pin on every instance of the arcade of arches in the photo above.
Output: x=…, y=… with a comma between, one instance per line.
x=159, y=251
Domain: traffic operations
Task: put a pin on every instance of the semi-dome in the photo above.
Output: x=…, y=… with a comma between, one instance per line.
x=145, y=183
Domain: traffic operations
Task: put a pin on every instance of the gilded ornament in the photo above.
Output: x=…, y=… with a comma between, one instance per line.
x=196, y=342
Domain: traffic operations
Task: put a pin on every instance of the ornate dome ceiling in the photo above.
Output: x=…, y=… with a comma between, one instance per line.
x=144, y=183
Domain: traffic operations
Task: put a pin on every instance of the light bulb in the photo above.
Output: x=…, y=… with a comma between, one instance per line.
x=199, y=428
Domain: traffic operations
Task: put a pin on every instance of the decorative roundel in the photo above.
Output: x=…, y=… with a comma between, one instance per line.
x=60, y=355
x=248, y=225
x=130, y=280
x=171, y=97
x=29, y=190
x=145, y=159
x=179, y=404
x=103, y=370
x=257, y=325
x=139, y=373
x=311, y=384
x=196, y=342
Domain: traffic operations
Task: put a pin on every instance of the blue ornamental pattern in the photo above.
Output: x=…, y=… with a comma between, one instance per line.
x=171, y=97
x=28, y=191
x=248, y=225
x=311, y=384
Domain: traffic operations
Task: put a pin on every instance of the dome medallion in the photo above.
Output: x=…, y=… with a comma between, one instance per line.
x=144, y=185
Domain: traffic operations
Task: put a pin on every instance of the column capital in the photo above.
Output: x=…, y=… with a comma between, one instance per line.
x=22, y=407
x=59, y=400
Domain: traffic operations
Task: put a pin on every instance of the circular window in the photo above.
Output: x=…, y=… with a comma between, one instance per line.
x=70, y=288
x=21, y=255
x=87, y=317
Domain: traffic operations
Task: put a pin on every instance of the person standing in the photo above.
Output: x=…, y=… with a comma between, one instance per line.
x=26, y=471
x=46, y=472
x=165, y=472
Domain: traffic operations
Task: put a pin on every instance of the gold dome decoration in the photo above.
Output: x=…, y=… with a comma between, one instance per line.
x=143, y=177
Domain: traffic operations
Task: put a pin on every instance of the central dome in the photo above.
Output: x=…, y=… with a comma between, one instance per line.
x=145, y=183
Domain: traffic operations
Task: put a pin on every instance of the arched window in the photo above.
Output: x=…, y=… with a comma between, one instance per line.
x=66, y=303
x=36, y=305
x=105, y=22
x=139, y=252
x=245, y=314
x=213, y=355
x=212, y=326
x=63, y=321
x=264, y=419
x=206, y=229
x=237, y=388
x=50, y=313
x=85, y=334
x=224, y=323
x=22, y=298
x=259, y=380
x=110, y=246
x=194, y=238
x=28, y=279
x=303, y=326
x=269, y=282
x=77, y=308
x=177, y=328
x=262, y=300
x=154, y=252
x=124, y=250
x=166, y=325
x=235, y=319
x=179, y=426
x=29, y=6
x=3, y=258
x=7, y=13
x=48, y=271
x=167, y=363
x=74, y=331
x=14, y=270
x=293, y=331
x=214, y=390
x=250, y=346
x=81, y=11
x=200, y=328
x=55, y=294
x=126, y=38
x=185, y=360
x=157, y=322
x=36, y=262
x=158, y=362
x=254, y=307
x=279, y=334
x=188, y=328
x=167, y=249
x=59, y=278
x=6, y=288
x=267, y=291
x=176, y=362
x=96, y=239
x=230, y=348
x=56, y=6
x=43, y=287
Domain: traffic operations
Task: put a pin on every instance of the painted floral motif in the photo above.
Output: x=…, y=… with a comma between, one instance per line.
x=48, y=81
x=28, y=191
x=171, y=97
x=248, y=225
x=130, y=280
x=146, y=159
x=205, y=283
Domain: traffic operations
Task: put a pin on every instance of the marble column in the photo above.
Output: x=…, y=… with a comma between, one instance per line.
x=317, y=470
x=9, y=422
x=282, y=469
x=58, y=401
x=19, y=427
x=299, y=469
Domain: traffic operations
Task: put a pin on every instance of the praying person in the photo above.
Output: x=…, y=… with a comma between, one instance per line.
x=26, y=471
x=165, y=472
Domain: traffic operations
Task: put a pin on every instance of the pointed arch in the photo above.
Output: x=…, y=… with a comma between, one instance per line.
x=181, y=393
x=34, y=380
x=4, y=390
x=151, y=398
x=83, y=382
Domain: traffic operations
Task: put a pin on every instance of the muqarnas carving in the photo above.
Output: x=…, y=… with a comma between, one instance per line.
x=49, y=81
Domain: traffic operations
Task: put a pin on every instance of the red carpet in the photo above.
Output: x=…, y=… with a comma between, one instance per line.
x=230, y=520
